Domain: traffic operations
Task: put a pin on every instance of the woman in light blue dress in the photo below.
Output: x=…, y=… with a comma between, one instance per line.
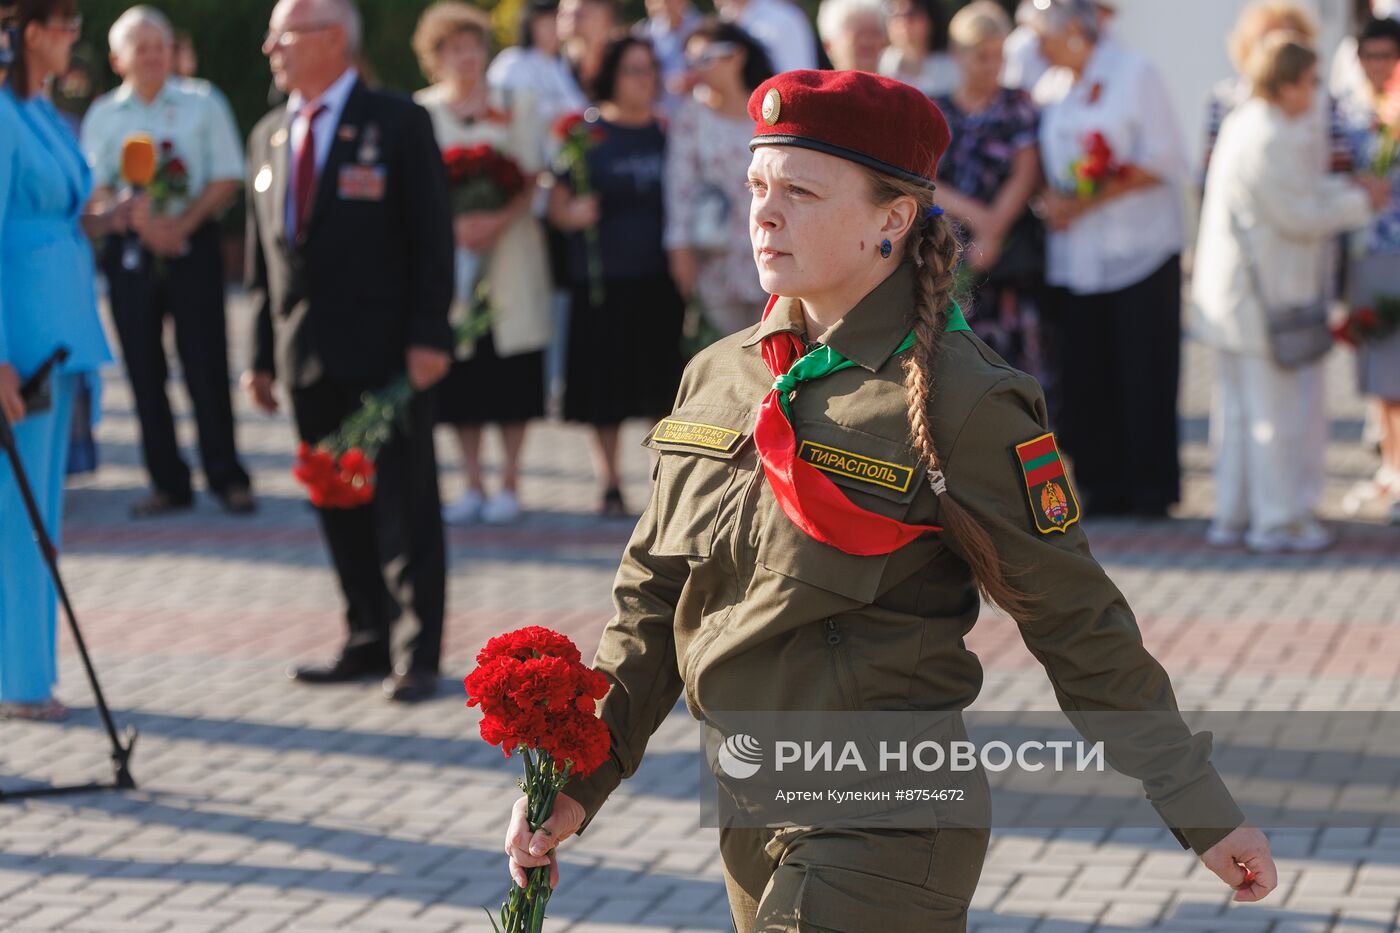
x=47, y=298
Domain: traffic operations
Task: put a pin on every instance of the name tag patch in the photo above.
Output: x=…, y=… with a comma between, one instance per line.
x=361, y=183
x=1051, y=497
x=856, y=466
x=694, y=434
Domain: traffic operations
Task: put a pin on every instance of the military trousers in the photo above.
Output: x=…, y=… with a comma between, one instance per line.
x=851, y=880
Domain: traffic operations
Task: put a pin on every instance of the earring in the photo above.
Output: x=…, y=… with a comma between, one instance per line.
x=886, y=247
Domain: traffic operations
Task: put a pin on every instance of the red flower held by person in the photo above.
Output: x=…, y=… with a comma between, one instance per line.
x=338, y=470
x=565, y=125
x=335, y=482
x=481, y=178
x=536, y=696
x=533, y=641
x=1097, y=165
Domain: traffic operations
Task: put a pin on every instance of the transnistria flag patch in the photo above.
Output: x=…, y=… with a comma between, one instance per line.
x=1052, y=501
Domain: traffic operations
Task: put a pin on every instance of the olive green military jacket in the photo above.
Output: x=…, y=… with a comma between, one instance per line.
x=721, y=597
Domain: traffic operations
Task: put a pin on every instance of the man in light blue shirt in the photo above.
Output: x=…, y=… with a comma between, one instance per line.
x=176, y=267
x=668, y=27
x=780, y=25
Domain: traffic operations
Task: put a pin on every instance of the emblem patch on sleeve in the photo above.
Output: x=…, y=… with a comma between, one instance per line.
x=855, y=466
x=694, y=434
x=1052, y=501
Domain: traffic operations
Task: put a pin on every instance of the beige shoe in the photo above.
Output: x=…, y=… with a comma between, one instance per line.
x=49, y=710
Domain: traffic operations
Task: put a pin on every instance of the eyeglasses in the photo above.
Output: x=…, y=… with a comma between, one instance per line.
x=280, y=40
x=713, y=53
x=73, y=24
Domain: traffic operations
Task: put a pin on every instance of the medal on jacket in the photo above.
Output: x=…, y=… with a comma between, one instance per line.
x=807, y=497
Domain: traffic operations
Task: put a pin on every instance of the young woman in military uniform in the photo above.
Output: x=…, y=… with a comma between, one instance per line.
x=834, y=487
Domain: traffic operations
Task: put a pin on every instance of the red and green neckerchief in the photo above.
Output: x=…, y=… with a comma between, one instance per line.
x=809, y=499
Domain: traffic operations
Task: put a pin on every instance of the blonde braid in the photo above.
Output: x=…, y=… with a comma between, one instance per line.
x=934, y=248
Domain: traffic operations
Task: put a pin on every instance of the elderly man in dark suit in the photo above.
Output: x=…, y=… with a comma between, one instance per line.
x=350, y=265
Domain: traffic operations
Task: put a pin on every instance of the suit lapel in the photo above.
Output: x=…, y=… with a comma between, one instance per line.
x=279, y=161
x=344, y=142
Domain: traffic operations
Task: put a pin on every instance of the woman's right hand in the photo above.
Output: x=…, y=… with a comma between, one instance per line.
x=1379, y=189
x=478, y=231
x=531, y=850
x=580, y=213
x=11, y=402
x=1243, y=861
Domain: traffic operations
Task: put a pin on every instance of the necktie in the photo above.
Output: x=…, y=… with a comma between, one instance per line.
x=305, y=177
x=807, y=497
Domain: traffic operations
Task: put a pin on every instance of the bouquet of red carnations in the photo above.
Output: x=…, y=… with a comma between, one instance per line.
x=481, y=178
x=338, y=472
x=1095, y=167
x=1369, y=322
x=538, y=697
x=577, y=134
x=172, y=179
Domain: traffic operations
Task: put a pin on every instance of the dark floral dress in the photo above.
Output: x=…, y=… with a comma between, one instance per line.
x=978, y=163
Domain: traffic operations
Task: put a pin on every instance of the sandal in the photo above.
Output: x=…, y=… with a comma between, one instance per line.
x=49, y=710
x=612, y=505
x=159, y=503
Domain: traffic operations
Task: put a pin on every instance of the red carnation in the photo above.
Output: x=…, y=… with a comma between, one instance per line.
x=566, y=124
x=1342, y=333
x=536, y=696
x=166, y=145
x=533, y=641
x=176, y=167
x=1366, y=318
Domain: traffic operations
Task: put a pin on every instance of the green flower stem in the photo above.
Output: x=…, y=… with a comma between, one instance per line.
x=371, y=426
x=523, y=910
x=578, y=172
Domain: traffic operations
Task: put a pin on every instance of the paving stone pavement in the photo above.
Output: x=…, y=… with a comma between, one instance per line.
x=265, y=806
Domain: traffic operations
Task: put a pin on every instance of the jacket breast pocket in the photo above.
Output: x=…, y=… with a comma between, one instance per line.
x=699, y=470
x=877, y=475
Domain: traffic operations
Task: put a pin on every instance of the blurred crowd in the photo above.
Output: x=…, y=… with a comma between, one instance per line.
x=628, y=248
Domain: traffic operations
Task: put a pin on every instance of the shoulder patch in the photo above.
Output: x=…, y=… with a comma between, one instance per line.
x=695, y=434
x=856, y=466
x=1054, y=506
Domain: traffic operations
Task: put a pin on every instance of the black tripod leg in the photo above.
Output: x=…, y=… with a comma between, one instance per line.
x=121, y=753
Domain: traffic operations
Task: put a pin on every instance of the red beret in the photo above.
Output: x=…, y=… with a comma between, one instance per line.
x=876, y=121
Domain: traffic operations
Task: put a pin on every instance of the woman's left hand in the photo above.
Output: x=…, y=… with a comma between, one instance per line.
x=1243, y=861
x=1062, y=211
x=478, y=231
x=11, y=401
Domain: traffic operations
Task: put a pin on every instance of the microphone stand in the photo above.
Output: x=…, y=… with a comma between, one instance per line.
x=131, y=245
x=121, y=751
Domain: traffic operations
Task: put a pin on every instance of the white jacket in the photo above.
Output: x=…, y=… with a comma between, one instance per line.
x=1287, y=212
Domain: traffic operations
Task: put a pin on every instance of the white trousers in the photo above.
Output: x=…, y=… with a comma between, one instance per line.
x=1268, y=428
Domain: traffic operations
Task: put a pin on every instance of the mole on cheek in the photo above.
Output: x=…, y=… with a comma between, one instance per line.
x=862, y=246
